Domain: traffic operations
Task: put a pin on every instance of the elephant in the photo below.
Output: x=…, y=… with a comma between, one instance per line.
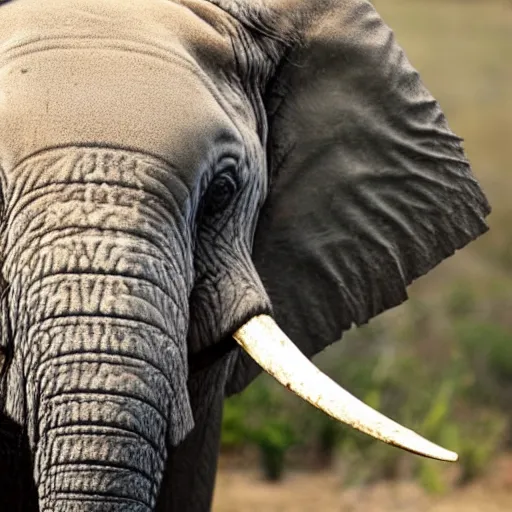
x=182, y=183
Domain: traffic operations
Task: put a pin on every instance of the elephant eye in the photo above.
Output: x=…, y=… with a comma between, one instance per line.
x=219, y=194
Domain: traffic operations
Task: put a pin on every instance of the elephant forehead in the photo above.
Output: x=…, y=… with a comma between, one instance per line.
x=195, y=23
x=61, y=87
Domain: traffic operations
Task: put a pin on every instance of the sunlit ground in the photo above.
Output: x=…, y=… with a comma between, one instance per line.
x=463, y=50
x=245, y=491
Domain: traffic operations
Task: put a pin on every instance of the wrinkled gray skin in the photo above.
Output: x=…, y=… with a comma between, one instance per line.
x=170, y=169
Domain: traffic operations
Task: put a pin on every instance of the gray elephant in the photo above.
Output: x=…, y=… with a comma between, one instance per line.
x=177, y=179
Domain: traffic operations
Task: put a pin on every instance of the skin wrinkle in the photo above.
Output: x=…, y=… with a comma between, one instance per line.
x=104, y=495
x=130, y=231
x=97, y=392
x=83, y=362
x=100, y=429
x=64, y=234
x=59, y=187
x=136, y=430
x=65, y=452
x=72, y=205
x=66, y=359
x=111, y=396
x=39, y=285
x=61, y=326
x=69, y=177
x=114, y=274
x=128, y=466
x=168, y=258
x=90, y=466
x=49, y=308
x=101, y=498
x=122, y=454
x=94, y=463
x=112, y=471
x=122, y=355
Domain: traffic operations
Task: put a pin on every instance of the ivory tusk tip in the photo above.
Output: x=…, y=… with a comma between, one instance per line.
x=446, y=455
x=451, y=457
x=428, y=449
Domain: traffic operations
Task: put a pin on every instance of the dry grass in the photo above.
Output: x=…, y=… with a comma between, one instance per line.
x=244, y=491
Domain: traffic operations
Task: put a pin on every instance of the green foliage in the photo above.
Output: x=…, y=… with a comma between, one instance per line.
x=259, y=417
x=461, y=300
x=273, y=439
x=489, y=345
x=234, y=431
x=327, y=439
x=479, y=441
x=438, y=427
x=430, y=476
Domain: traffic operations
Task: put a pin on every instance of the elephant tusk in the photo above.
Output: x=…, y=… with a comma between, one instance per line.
x=269, y=346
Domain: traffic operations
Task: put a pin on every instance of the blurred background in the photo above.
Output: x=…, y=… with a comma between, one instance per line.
x=440, y=364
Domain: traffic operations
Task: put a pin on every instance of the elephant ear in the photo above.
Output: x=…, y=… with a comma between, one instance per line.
x=369, y=187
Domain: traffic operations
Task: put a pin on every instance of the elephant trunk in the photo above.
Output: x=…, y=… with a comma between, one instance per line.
x=103, y=414
x=99, y=268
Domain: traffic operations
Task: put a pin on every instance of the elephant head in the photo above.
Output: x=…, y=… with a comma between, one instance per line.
x=178, y=175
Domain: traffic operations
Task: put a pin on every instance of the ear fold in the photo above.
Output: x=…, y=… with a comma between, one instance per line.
x=370, y=188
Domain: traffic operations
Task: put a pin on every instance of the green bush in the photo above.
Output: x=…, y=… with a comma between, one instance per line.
x=488, y=348
x=461, y=300
x=480, y=440
x=261, y=417
x=327, y=439
x=273, y=439
x=234, y=430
